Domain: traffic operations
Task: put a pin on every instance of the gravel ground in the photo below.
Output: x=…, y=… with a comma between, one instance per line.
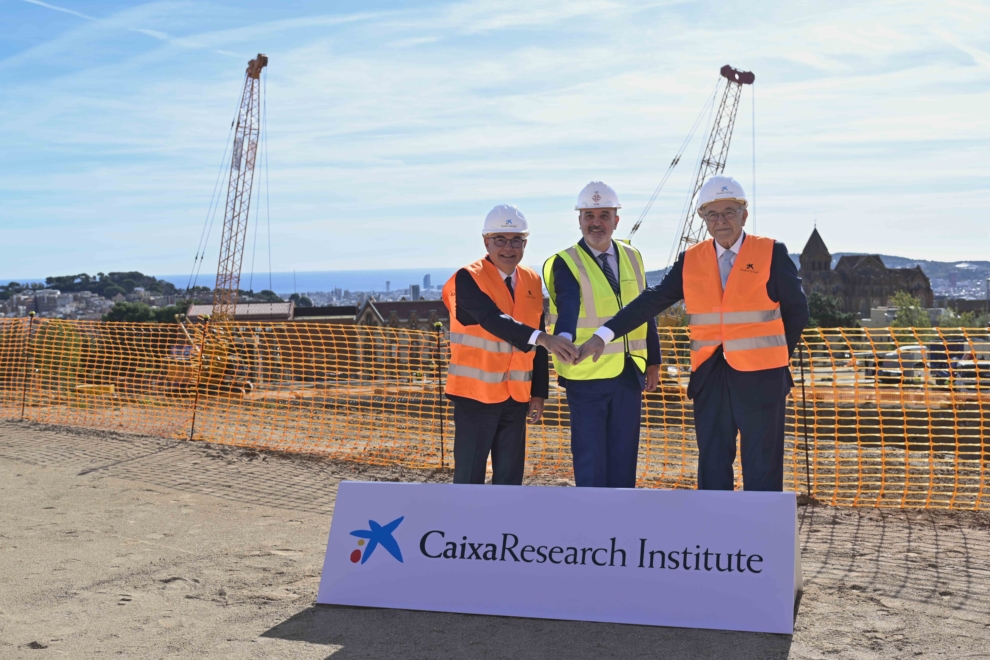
x=149, y=548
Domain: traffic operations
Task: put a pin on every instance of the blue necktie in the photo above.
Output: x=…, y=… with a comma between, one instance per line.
x=725, y=266
x=609, y=275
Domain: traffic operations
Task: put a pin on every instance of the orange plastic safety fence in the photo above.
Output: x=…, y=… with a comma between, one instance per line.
x=890, y=417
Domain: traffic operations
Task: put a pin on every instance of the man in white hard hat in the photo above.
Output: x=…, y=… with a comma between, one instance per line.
x=746, y=311
x=499, y=374
x=588, y=284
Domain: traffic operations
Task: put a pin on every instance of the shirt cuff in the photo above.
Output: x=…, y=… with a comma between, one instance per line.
x=566, y=335
x=533, y=337
x=606, y=334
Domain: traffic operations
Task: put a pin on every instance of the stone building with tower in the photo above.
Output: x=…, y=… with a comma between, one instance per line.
x=859, y=282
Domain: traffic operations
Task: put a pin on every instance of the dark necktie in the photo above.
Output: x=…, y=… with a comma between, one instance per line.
x=609, y=275
x=508, y=283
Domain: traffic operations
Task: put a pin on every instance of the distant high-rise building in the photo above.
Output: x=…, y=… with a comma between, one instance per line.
x=414, y=291
x=388, y=285
x=426, y=281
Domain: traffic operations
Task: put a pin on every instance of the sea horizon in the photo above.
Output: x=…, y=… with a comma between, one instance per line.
x=288, y=282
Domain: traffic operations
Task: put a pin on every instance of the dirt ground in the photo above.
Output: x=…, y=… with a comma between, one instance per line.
x=130, y=546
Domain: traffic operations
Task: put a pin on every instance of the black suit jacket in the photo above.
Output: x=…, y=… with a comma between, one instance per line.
x=474, y=307
x=757, y=387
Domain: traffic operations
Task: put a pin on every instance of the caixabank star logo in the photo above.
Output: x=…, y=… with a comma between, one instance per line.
x=376, y=535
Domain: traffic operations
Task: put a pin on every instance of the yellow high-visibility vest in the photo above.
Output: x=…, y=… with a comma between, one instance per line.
x=599, y=304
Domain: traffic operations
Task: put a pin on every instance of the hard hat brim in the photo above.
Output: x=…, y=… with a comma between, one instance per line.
x=581, y=208
x=722, y=199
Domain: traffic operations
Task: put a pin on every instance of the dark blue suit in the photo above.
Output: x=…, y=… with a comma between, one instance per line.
x=605, y=413
x=727, y=401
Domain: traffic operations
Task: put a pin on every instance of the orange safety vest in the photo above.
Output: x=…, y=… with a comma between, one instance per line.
x=743, y=320
x=482, y=366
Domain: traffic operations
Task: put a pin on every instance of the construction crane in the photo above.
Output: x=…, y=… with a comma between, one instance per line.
x=217, y=364
x=713, y=157
x=235, y=217
x=716, y=151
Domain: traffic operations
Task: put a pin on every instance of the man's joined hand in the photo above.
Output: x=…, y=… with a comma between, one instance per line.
x=562, y=347
x=593, y=347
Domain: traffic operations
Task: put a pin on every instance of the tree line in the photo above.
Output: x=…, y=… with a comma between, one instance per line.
x=826, y=312
x=109, y=285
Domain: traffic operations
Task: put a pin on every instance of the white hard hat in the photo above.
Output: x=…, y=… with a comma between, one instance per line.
x=720, y=187
x=597, y=195
x=505, y=219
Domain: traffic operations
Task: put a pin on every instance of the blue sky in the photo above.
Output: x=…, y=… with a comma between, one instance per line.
x=395, y=127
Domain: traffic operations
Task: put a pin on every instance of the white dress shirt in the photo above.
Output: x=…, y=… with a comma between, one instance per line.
x=515, y=280
x=607, y=335
x=719, y=250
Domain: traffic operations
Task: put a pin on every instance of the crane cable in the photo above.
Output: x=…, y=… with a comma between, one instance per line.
x=263, y=145
x=268, y=205
x=752, y=207
x=697, y=165
x=257, y=206
x=673, y=163
x=204, y=236
x=254, y=246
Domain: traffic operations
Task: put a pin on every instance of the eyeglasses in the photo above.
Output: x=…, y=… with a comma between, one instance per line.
x=502, y=241
x=730, y=215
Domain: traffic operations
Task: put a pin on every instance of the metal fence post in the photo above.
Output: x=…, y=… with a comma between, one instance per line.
x=28, y=365
x=804, y=404
x=438, y=327
x=199, y=375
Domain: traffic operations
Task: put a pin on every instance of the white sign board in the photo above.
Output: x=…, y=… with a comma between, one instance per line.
x=696, y=559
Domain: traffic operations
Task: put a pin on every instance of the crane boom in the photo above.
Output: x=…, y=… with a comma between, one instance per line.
x=716, y=150
x=235, y=217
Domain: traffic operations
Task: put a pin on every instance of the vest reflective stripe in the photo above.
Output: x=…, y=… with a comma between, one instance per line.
x=488, y=376
x=742, y=319
x=619, y=347
x=748, y=343
x=715, y=318
x=587, y=290
x=637, y=269
x=480, y=342
x=599, y=303
x=484, y=367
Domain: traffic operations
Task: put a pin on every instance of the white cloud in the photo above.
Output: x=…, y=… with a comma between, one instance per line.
x=61, y=9
x=980, y=57
x=392, y=133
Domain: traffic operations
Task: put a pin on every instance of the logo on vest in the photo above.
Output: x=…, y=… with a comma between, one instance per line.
x=749, y=269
